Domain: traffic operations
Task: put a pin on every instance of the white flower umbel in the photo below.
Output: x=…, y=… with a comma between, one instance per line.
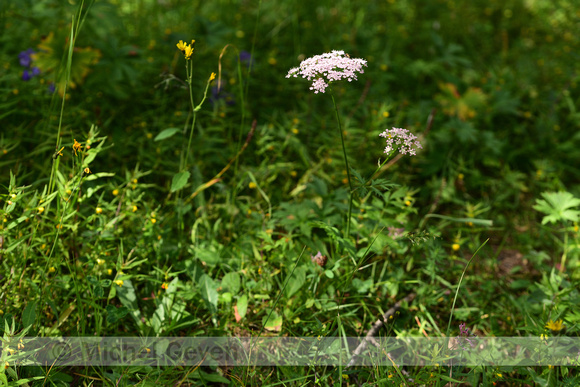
x=326, y=68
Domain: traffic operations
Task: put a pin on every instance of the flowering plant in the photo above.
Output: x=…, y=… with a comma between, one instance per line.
x=327, y=68
x=401, y=139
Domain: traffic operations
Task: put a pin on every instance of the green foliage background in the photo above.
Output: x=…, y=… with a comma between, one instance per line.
x=491, y=87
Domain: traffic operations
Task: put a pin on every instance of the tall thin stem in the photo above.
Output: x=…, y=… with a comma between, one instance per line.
x=350, y=193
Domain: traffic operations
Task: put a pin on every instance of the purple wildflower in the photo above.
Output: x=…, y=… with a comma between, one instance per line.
x=221, y=94
x=26, y=76
x=35, y=71
x=396, y=232
x=24, y=57
x=464, y=337
x=326, y=68
x=401, y=139
x=51, y=88
x=246, y=58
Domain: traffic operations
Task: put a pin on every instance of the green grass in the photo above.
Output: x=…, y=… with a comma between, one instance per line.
x=199, y=212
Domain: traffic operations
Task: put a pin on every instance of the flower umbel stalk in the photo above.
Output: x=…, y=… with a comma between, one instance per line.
x=346, y=164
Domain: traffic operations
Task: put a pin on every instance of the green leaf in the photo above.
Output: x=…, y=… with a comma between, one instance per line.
x=128, y=298
x=179, y=181
x=557, y=207
x=232, y=282
x=296, y=281
x=209, y=293
x=243, y=305
x=29, y=314
x=166, y=133
x=274, y=323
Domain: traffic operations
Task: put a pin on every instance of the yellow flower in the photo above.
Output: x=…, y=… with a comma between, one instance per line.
x=13, y=196
x=386, y=114
x=100, y=261
x=294, y=130
x=164, y=286
x=153, y=220
x=87, y=170
x=115, y=192
x=109, y=271
x=188, y=52
x=212, y=77
x=455, y=246
x=181, y=46
x=99, y=210
x=134, y=208
x=77, y=146
x=252, y=185
x=119, y=283
x=556, y=326
x=52, y=269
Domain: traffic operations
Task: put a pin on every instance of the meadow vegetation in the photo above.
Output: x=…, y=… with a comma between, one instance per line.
x=160, y=175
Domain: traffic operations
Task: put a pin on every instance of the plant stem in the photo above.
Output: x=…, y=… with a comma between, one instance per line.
x=185, y=158
x=350, y=194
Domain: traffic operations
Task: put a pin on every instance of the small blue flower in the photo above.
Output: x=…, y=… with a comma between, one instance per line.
x=24, y=57
x=26, y=75
x=35, y=71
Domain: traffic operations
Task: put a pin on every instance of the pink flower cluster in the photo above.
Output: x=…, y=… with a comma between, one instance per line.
x=327, y=68
x=401, y=139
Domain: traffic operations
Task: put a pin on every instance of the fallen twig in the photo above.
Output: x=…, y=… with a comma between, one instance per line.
x=376, y=326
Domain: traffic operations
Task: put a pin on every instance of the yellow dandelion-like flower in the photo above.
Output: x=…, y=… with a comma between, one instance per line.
x=293, y=173
x=181, y=46
x=98, y=210
x=119, y=283
x=294, y=130
x=115, y=192
x=455, y=246
x=109, y=271
x=153, y=220
x=252, y=185
x=386, y=114
x=212, y=77
x=407, y=202
x=188, y=52
x=555, y=326
x=135, y=181
x=100, y=261
x=134, y=208
x=77, y=146
x=51, y=269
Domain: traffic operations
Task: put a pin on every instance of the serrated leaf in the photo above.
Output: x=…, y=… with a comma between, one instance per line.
x=557, y=207
x=166, y=133
x=179, y=181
